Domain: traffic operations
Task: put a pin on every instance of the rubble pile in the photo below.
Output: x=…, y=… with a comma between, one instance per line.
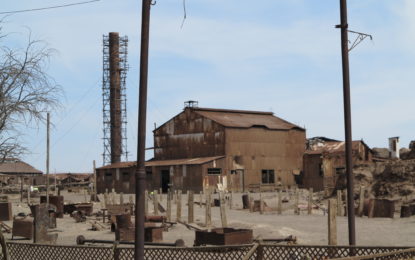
x=394, y=179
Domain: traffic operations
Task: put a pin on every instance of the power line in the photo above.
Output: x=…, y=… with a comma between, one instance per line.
x=50, y=7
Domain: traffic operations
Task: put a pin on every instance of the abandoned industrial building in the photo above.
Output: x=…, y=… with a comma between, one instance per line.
x=201, y=147
x=13, y=171
x=324, y=162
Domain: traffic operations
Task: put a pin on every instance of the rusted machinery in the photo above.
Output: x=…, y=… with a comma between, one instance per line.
x=42, y=222
x=81, y=240
x=57, y=201
x=407, y=210
x=223, y=236
x=23, y=227
x=6, y=211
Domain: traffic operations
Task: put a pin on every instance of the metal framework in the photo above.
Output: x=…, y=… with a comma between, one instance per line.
x=106, y=98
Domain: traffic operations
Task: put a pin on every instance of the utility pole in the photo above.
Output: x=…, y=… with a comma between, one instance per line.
x=140, y=180
x=47, y=157
x=95, y=182
x=347, y=120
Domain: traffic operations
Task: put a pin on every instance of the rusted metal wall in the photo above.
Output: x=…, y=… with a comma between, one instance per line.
x=188, y=135
x=257, y=148
x=312, y=173
x=119, y=179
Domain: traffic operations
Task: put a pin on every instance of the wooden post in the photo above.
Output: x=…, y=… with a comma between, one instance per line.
x=161, y=195
x=106, y=198
x=361, y=201
x=201, y=198
x=145, y=203
x=175, y=197
x=21, y=189
x=296, y=200
x=190, y=209
x=223, y=209
x=339, y=203
x=28, y=195
x=261, y=203
x=85, y=199
x=345, y=202
x=230, y=199
x=121, y=198
x=179, y=206
x=156, y=203
x=168, y=205
x=332, y=228
x=310, y=201
x=113, y=196
x=3, y=247
x=279, y=206
x=208, y=216
x=251, y=202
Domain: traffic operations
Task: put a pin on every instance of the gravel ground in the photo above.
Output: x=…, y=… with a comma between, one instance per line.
x=309, y=229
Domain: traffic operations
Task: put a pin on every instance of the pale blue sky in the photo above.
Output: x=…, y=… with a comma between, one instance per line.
x=272, y=55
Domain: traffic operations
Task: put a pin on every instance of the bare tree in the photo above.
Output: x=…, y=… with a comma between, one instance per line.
x=27, y=91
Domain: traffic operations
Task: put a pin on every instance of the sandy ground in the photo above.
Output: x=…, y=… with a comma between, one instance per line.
x=309, y=229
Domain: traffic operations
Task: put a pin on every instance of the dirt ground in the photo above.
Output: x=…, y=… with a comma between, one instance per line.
x=309, y=229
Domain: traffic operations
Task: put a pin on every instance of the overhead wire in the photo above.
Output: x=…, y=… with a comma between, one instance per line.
x=49, y=7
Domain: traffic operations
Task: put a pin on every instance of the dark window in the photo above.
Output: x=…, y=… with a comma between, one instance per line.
x=214, y=171
x=268, y=177
x=108, y=175
x=126, y=176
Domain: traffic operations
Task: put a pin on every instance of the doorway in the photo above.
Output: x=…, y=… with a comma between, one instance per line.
x=165, y=180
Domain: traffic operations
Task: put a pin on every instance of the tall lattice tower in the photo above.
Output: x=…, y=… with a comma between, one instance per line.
x=114, y=98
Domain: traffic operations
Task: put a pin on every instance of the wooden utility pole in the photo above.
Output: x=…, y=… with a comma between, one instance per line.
x=47, y=156
x=95, y=181
x=347, y=120
x=140, y=180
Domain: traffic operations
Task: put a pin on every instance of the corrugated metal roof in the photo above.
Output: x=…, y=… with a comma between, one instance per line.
x=245, y=119
x=14, y=166
x=186, y=161
x=333, y=147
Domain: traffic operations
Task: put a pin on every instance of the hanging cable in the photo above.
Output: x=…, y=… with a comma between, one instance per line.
x=50, y=7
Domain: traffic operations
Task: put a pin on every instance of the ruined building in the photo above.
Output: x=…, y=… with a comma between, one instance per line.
x=201, y=147
x=325, y=162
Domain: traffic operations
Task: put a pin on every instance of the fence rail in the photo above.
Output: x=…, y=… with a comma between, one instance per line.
x=261, y=252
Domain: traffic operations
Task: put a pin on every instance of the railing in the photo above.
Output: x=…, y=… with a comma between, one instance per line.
x=261, y=251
